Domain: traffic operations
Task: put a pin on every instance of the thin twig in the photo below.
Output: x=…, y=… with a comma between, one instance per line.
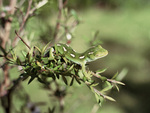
x=22, y=40
x=21, y=12
x=109, y=80
x=98, y=92
x=24, y=20
x=60, y=7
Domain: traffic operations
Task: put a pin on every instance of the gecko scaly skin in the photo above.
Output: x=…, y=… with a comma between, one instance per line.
x=91, y=54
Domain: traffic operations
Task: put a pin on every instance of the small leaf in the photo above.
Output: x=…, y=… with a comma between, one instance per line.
x=56, y=49
x=71, y=83
x=69, y=69
x=39, y=64
x=93, y=85
x=106, y=89
x=118, y=82
x=77, y=80
x=51, y=55
x=40, y=80
x=97, y=98
x=101, y=70
x=45, y=60
x=31, y=52
x=103, y=78
x=44, y=49
x=109, y=98
x=38, y=49
x=27, y=59
x=65, y=80
x=18, y=61
x=115, y=76
x=24, y=53
x=117, y=87
x=14, y=55
x=31, y=79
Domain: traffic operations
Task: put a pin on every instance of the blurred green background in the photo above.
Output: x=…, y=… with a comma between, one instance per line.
x=124, y=27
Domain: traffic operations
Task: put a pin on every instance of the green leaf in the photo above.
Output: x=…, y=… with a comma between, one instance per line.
x=39, y=64
x=71, y=83
x=56, y=50
x=106, y=89
x=118, y=82
x=38, y=49
x=56, y=68
x=109, y=98
x=31, y=79
x=31, y=52
x=69, y=69
x=44, y=49
x=101, y=70
x=117, y=87
x=18, y=61
x=27, y=59
x=115, y=76
x=40, y=80
x=97, y=98
x=93, y=85
x=45, y=60
x=77, y=80
x=51, y=55
x=24, y=53
x=65, y=80
x=14, y=56
x=103, y=78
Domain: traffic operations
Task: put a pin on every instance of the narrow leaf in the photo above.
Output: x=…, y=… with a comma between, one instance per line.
x=31, y=79
x=24, y=53
x=77, y=80
x=44, y=49
x=117, y=87
x=65, y=80
x=71, y=83
x=118, y=82
x=38, y=49
x=115, y=76
x=101, y=70
x=109, y=98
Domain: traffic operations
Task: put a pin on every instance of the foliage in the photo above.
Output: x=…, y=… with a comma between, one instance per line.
x=38, y=63
x=47, y=65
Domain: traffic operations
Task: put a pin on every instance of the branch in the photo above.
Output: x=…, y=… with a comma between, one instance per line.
x=8, y=23
x=60, y=6
x=23, y=20
x=22, y=40
x=109, y=80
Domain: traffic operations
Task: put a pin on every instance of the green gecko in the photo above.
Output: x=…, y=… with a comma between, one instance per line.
x=91, y=54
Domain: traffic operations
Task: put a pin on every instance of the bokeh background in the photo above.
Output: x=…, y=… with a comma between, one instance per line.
x=124, y=30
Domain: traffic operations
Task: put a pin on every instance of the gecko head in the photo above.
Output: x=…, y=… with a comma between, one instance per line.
x=97, y=52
